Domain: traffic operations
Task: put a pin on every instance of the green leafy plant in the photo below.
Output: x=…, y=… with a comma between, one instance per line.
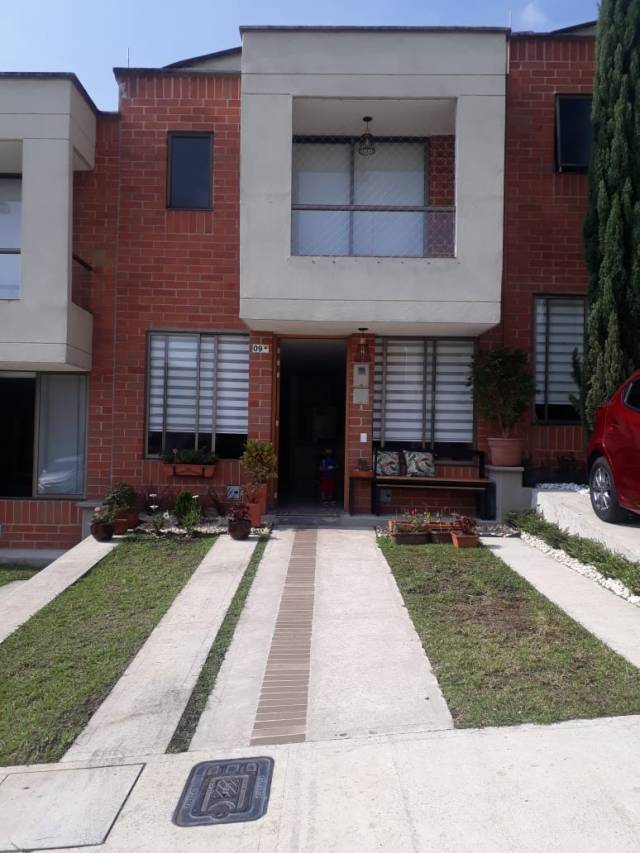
x=260, y=462
x=121, y=496
x=503, y=386
x=189, y=456
x=104, y=514
x=191, y=518
x=187, y=505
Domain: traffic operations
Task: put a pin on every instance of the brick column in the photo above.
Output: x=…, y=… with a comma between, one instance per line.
x=261, y=378
x=359, y=420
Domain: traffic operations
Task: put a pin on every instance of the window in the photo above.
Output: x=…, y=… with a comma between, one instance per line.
x=198, y=393
x=420, y=392
x=632, y=398
x=346, y=204
x=573, y=132
x=47, y=427
x=190, y=171
x=559, y=332
x=10, y=223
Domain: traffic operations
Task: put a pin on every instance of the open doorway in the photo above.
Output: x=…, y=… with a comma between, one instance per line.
x=312, y=419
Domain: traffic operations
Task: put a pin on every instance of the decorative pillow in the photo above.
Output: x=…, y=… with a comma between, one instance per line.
x=419, y=463
x=388, y=463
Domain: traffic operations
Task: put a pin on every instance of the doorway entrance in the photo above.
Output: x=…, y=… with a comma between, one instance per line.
x=312, y=419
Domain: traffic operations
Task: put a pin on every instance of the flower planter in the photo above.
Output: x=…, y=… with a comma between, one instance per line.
x=239, y=529
x=441, y=534
x=183, y=469
x=506, y=452
x=102, y=531
x=402, y=537
x=465, y=540
x=126, y=521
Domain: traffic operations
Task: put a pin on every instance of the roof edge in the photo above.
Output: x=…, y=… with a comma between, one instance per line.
x=217, y=54
x=121, y=72
x=54, y=75
x=363, y=29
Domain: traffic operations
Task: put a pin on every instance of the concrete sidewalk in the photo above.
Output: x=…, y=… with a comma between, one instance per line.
x=608, y=617
x=567, y=787
x=572, y=512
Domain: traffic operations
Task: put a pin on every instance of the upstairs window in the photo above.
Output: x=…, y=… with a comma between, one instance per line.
x=198, y=393
x=559, y=331
x=10, y=241
x=189, y=180
x=573, y=132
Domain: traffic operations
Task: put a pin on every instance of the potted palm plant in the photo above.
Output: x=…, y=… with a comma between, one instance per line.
x=260, y=462
x=503, y=387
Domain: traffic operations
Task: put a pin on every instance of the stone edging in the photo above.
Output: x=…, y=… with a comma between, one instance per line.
x=587, y=571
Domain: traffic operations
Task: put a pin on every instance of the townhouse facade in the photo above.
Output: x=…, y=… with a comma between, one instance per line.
x=302, y=240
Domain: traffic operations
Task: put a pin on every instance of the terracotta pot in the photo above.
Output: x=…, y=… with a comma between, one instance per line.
x=240, y=529
x=255, y=513
x=402, y=537
x=126, y=521
x=506, y=451
x=102, y=531
x=465, y=540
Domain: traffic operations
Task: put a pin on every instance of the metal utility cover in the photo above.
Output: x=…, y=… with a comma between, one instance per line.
x=229, y=791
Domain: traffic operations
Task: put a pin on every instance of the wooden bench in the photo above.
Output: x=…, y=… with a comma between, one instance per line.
x=478, y=484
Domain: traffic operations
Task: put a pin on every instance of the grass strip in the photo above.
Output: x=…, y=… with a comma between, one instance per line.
x=188, y=723
x=503, y=653
x=587, y=551
x=58, y=667
x=10, y=573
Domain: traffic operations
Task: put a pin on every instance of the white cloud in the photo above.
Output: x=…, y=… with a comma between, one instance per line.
x=532, y=17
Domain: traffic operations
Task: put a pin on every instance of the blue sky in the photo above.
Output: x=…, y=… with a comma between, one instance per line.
x=90, y=37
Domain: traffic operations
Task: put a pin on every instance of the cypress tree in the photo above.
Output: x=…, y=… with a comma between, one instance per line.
x=612, y=225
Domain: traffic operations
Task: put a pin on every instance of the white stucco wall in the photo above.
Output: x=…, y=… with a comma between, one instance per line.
x=43, y=329
x=282, y=292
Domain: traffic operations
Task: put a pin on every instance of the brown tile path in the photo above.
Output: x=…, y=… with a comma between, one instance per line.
x=281, y=716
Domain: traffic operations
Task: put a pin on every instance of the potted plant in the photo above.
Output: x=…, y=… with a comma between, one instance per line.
x=238, y=521
x=411, y=529
x=102, y=527
x=260, y=462
x=503, y=387
x=188, y=511
x=122, y=500
x=191, y=462
x=464, y=533
x=440, y=529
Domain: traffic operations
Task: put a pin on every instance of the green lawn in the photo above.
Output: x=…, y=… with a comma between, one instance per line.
x=209, y=673
x=10, y=573
x=585, y=550
x=57, y=668
x=502, y=653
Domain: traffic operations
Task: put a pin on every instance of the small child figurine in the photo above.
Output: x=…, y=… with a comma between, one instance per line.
x=328, y=467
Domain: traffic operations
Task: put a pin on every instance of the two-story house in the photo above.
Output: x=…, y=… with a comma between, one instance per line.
x=301, y=240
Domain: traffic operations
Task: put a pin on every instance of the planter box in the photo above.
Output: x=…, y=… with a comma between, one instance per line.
x=126, y=521
x=441, y=535
x=465, y=540
x=182, y=469
x=359, y=474
x=402, y=537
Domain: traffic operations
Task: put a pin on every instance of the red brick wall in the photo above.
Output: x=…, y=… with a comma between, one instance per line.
x=39, y=524
x=442, y=170
x=359, y=420
x=544, y=209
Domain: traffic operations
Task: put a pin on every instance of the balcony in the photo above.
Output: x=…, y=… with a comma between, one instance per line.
x=406, y=239
x=47, y=132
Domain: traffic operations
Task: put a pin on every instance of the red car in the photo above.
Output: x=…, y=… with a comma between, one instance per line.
x=614, y=454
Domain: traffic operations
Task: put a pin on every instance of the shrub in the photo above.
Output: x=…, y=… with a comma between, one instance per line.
x=259, y=461
x=187, y=507
x=121, y=497
x=503, y=386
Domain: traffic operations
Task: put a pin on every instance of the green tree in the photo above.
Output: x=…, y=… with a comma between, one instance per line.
x=612, y=226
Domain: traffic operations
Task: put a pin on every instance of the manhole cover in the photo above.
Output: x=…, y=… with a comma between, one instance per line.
x=229, y=791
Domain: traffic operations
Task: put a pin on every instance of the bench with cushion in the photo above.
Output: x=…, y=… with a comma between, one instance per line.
x=413, y=469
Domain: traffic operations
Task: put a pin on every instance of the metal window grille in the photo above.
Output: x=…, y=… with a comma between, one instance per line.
x=559, y=331
x=378, y=206
x=198, y=386
x=420, y=391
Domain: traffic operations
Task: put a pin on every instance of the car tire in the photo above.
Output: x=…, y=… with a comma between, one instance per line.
x=602, y=490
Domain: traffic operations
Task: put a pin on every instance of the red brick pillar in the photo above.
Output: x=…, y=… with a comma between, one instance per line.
x=359, y=422
x=261, y=378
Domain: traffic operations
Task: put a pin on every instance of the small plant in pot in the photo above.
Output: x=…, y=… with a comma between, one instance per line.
x=238, y=521
x=122, y=501
x=464, y=533
x=503, y=388
x=411, y=529
x=102, y=527
x=260, y=462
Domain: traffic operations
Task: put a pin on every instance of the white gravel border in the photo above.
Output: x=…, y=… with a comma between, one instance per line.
x=613, y=585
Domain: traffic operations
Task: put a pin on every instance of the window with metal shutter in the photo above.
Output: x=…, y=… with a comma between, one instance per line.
x=198, y=388
x=409, y=374
x=559, y=332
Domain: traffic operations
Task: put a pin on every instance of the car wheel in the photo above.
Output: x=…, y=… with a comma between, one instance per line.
x=602, y=489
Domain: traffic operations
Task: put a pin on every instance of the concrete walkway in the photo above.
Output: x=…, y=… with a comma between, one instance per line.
x=521, y=789
x=23, y=601
x=572, y=512
x=142, y=711
x=608, y=617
